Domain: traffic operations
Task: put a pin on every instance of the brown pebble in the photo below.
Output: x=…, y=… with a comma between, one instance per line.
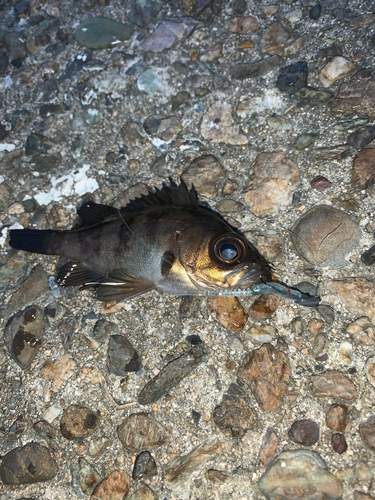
x=305, y=432
x=264, y=306
x=363, y=174
x=367, y=432
x=113, y=487
x=140, y=431
x=338, y=443
x=333, y=384
x=77, y=422
x=337, y=418
x=320, y=182
x=229, y=312
x=315, y=326
x=267, y=372
x=268, y=446
x=244, y=24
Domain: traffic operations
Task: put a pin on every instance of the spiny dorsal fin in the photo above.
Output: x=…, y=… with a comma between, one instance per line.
x=167, y=195
x=92, y=213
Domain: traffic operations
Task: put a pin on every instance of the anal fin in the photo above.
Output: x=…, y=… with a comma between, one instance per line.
x=123, y=285
x=76, y=274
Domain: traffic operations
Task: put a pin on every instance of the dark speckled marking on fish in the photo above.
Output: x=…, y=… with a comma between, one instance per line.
x=161, y=241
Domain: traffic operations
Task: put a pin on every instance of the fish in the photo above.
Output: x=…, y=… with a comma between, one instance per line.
x=165, y=241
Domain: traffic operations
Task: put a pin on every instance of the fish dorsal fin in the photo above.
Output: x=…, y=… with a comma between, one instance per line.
x=167, y=195
x=92, y=213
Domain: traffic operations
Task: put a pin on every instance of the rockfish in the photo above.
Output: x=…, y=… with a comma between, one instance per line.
x=161, y=241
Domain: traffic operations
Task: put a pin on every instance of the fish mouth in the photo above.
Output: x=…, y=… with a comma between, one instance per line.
x=245, y=278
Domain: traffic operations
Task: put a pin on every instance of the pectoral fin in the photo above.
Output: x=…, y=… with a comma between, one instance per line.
x=123, y=285
x=76, y=274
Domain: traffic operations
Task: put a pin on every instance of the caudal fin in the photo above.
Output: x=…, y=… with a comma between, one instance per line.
x=31, y=240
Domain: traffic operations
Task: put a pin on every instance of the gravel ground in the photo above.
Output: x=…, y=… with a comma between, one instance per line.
x=96, y=112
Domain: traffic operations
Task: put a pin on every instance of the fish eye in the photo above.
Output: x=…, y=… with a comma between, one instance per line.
x=229, y=250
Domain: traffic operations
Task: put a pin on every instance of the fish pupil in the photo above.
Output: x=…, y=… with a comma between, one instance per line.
x=228, y=251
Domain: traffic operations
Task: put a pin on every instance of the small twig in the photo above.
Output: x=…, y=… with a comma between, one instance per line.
x=103, y=383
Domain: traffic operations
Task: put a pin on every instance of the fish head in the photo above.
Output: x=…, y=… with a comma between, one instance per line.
x=221, y=260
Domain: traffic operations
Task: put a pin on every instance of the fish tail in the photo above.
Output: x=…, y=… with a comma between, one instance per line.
x=34, y=240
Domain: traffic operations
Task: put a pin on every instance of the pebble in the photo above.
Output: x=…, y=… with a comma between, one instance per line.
x=356, y=96
x=336, y=69
x=168, y=34
x=141, y=431
x=23, y=335
x=86, y=476
x=363, y=173
x=234, y=415
x=31, y=290
x=162, y=128
x=333, y=384
x=362, y=330
x=274, y=177
x=315, y=12
x=368, y=257
x=350, y=123
x=278, y=122
x=320, y=182
x=122, y=357
x=244, y=25
x=171, y=375
x=206, y=173
x=217, y=476
x=299, y=474
x=144, y=466
x=362, y=137
x=267, y=373
x=43, y=163
x=315, y=325
x=229, y=312
x=293, y=77
x=58, y=371
x=324, y=236
x=319, y=343
x=264, y=306
x=218, y=126
x=326, y=312
x=78, y=422
x=227, y=206
x=213, y=53
x=28, y=464
x=268, y=446
x=181, y=468
x=143, y=492
x=180, y=98
x=114, y=487
x=370, y=370
x=98, y=445
x=332, y=152
x=305, y=432
x=315, y=97
x=261, y=333
x=367, y=432
x=15, y=43
x=305, y=140
x=296, y=326
x=276, y=39
x=338, y=443
x=255, y=69
x=357, y=294
x=189, y=307
x=344, y=355
x=37, y=143
x=101, y=32
x=337, y=418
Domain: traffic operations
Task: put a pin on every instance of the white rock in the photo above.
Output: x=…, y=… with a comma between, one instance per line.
x=335, y=69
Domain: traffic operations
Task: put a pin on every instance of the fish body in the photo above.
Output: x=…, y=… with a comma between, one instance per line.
x=164, y=240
